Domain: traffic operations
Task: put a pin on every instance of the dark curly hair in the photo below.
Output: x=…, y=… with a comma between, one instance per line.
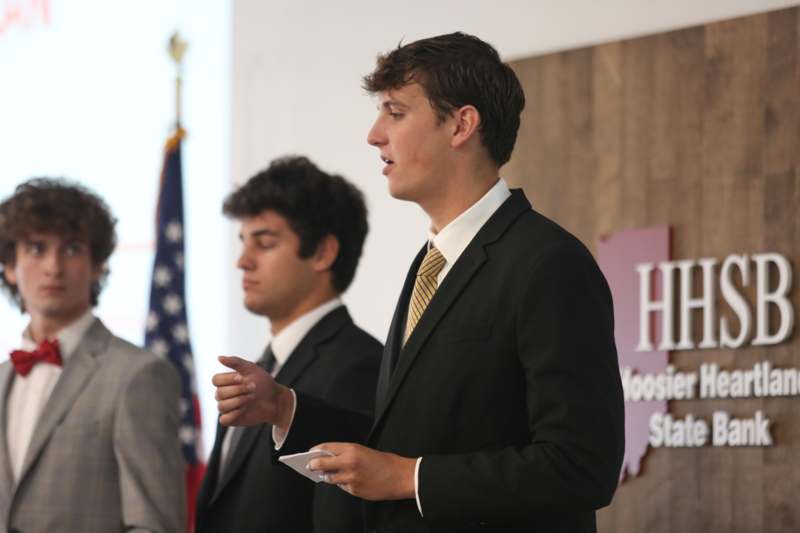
x=61, y=207
x=314, y=203
x=456, y=70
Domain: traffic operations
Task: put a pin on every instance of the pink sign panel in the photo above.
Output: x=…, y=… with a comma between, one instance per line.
x=618, y=255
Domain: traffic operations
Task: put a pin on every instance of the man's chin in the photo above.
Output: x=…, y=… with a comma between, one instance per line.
x=400, y=193
x=62, y=312
x=255, y=308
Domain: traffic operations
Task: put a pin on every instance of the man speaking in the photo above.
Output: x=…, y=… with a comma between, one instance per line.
x=499, y=401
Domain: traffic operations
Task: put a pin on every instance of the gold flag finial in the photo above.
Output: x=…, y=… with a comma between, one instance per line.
x=177, y=49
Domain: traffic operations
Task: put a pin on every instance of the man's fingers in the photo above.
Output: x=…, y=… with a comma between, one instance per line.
x=230, y=419
x=344, y=456
x=234, y=363
x=336, y=448
x=226, y=378
x=324, y=464
x=232, y=404
x=338, y=478
x=231, y=391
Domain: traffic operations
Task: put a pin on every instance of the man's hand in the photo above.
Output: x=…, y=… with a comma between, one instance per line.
x=249, y=396
x=366, y=473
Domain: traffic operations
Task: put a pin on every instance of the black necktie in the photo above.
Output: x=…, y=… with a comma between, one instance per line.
x=267, y=361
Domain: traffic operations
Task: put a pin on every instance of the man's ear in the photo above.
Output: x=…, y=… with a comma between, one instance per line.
x=467, y=122
x=9, y=274
x=326, y=254
x=97, y=272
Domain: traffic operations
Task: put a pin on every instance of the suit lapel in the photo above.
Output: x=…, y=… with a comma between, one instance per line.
x=239, y=451
x=79, y=368
x=290, y=372
x=456, y=280
x=306, y=351
x=6, y=479
x=394, y=341
x=464, y=269
x=208, y=489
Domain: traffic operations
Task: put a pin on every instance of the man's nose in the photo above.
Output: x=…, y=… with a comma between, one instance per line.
x=376, y=136
x=244, y=262
x=54, y=262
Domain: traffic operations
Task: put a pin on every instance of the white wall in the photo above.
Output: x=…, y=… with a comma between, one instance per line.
x=296, y=89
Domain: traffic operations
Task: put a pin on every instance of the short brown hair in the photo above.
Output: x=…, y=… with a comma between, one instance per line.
x=314, y=203
x=457, y=70
x=60, y=207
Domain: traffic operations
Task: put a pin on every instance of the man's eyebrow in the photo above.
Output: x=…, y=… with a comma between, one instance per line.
x=386, y=104
x=259, y=232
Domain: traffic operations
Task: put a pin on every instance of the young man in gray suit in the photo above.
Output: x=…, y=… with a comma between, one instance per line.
x=499, y=404
x=88, y=422
x=302, y=232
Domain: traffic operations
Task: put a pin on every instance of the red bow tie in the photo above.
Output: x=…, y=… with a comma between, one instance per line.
x=47, y=352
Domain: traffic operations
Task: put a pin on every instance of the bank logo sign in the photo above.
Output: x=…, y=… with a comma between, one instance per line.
x=663, y=305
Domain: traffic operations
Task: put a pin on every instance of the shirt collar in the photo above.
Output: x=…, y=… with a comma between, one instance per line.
x=284, y=343
x=454, y=237
x=68, y=337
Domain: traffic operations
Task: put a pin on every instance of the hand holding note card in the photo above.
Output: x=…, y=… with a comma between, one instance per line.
x=298, y=462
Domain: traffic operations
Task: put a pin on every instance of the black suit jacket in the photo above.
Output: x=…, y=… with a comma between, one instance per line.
x=336, y=362
x=508, y=387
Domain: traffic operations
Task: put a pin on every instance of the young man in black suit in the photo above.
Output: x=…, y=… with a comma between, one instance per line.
x=499, y=399
x=302, y=232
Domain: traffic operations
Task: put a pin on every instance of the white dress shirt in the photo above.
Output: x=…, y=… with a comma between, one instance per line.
x=283, y=344
x=29, y=394
x=453, y=239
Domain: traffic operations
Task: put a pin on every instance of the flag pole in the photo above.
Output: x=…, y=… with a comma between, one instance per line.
x=177, y=49
x=167, y=332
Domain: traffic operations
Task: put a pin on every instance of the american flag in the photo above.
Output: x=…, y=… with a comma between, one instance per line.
x=167, y=332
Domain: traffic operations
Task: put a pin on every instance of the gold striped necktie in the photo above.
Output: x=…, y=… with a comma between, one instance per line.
x=424, y=288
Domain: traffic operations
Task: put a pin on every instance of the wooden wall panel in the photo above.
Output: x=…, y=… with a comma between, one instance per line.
x=698, y=129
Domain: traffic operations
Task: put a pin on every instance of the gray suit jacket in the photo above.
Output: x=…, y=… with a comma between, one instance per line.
x=105, y=455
